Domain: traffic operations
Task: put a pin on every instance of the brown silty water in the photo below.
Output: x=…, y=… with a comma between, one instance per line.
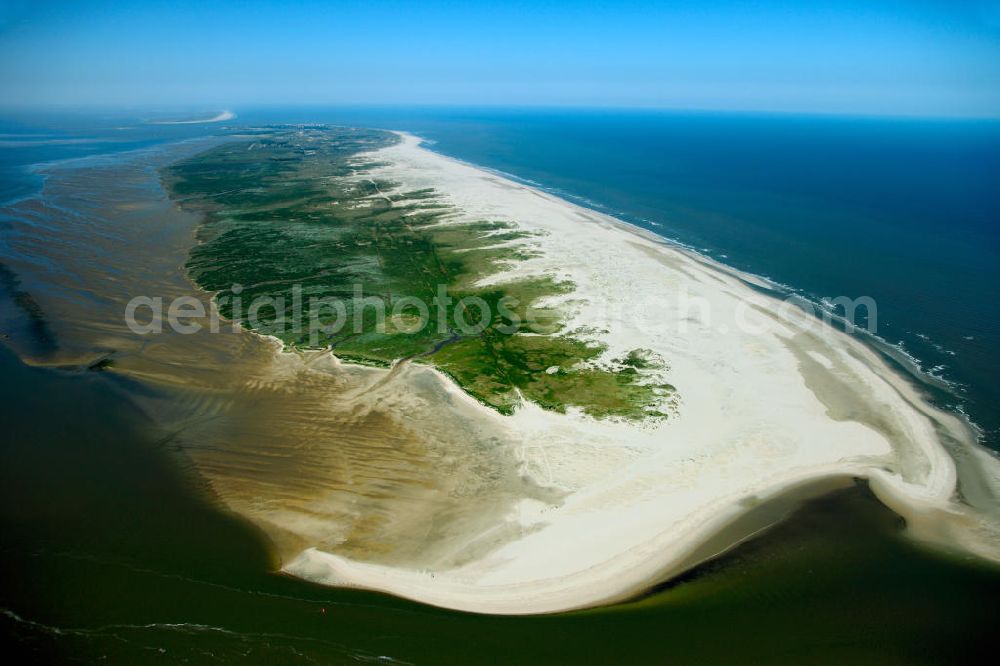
x=396, y=469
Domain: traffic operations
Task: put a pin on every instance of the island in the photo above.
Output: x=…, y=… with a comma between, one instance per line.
x=615, y=408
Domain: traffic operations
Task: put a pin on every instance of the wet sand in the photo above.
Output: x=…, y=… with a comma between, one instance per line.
x=297, y=442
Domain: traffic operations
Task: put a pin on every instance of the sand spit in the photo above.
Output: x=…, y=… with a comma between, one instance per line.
x=773, y=403
x=403, y=483
x=220, y=117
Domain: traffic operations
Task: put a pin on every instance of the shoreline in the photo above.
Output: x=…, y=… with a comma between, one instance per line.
x=560, y=564
x=911, y=364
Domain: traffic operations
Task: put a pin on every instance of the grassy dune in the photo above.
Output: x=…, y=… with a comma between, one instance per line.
x=291, y=216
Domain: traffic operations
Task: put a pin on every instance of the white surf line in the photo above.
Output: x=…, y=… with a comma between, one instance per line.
x=773, y=402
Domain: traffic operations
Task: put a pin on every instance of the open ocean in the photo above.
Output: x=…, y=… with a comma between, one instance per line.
x=107, y=553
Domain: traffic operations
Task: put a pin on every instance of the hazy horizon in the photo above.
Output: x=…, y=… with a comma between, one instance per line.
x=197, y=110
x=832, y=58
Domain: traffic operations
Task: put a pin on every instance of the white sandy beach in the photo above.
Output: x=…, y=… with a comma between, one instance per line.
x=772, y=402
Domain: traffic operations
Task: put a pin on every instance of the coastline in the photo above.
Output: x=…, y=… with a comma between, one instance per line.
x=304, y=456
x=235, y=412
x=622, y=527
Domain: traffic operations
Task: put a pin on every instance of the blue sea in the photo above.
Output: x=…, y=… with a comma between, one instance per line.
x=905, y=211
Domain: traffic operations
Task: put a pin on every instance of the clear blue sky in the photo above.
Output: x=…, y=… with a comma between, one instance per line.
x=876, y=57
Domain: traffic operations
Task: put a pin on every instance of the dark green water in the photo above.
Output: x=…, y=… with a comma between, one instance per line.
x=111, y=553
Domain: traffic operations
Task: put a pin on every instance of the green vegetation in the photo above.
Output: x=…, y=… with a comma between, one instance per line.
x=330, y=256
